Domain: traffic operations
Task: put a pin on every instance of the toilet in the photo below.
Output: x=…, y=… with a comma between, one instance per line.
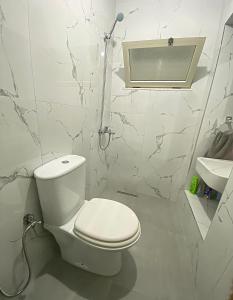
x=91, y=234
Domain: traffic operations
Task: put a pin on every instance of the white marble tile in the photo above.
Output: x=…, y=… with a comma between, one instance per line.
x=18, y=132
x=61, y=128
x=165, y=147
x=170, y=117
x=67, y=40
x=64, y=66
x=55, y=48
x=17, y=198
x=16, y=74
x=214, y=275
x=127, y=100
x=219, y=104
x=126, y=150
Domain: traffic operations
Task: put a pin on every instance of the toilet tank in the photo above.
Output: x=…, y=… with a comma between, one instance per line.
x=61, y=188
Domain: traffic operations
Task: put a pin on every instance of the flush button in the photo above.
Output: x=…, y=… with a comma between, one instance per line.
x=65, y=161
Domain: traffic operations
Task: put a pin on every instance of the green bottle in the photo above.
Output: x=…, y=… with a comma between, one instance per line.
x=194, y=185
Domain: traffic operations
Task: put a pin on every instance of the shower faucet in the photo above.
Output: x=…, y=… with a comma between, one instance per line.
x=106, y=129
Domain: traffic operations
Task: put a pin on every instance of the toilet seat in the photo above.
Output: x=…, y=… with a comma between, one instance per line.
x=110, y=246
x=107, y=223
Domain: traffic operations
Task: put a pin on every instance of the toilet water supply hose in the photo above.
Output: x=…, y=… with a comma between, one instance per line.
x=20, y=291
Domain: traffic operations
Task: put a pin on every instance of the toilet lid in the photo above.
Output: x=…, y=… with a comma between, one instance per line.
x=106, y=220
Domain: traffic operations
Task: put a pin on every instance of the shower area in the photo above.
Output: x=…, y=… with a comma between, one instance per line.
x=106, y=130
x=63, y=91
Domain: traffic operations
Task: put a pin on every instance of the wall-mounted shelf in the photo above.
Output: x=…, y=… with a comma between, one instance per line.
x=203, y=211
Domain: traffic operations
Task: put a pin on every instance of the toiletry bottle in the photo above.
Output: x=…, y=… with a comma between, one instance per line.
x=194, y=184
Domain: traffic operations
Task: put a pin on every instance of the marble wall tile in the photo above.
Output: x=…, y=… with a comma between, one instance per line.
x=19, y=131
x=67, y=40
x=57, y=58
x=67, y=46
x=16, y=199
x=16, y=77
x=214, y=263
x=220, y=99
x=170, y=118
x=126, y=150
x=20, y=144
x=97, y=168
x=50, y=84
x=61, y=128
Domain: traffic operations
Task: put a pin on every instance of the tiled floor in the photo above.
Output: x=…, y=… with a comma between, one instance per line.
x=161, y=266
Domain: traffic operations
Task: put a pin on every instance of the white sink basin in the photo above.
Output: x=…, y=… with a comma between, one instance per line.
x=215, y=172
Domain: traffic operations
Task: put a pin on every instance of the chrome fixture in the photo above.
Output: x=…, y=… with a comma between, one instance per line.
x=229, y=121
x=30, y=222
x=102, y=131
x=119, y=18
x=106, y=129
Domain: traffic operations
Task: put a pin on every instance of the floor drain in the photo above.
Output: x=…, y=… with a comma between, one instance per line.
x=128, y=194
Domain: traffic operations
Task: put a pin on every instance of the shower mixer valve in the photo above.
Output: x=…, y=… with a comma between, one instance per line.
x=106, y=129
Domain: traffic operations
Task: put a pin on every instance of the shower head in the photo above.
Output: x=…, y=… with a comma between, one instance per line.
x=119, y=18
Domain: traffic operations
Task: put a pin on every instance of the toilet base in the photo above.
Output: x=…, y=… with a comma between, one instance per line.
x=89, y=258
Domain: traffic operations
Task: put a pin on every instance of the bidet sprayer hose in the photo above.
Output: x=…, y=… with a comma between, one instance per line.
x=6, y=294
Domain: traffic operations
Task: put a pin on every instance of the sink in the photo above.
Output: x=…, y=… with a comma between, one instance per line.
x=215, y=172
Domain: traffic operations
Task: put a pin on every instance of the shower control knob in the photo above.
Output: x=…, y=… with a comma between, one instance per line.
x=107, y=130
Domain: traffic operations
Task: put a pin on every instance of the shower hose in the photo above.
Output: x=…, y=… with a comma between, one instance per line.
x=100, y=141
x=6, y=294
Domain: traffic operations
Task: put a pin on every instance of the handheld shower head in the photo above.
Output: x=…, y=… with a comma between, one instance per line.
x=119, y=18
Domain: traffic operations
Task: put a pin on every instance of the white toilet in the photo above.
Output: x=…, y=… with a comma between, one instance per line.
x=91, y=234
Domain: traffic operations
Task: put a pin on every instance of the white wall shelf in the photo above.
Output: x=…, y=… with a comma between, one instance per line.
x=203, y=210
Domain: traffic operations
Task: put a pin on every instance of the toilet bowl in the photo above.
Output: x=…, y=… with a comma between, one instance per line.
x=91, y=234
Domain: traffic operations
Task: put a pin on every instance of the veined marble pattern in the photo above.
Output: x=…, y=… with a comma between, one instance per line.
x=215, y=266
x=156, y=128
x=66, y=124
x=68, y=50
x=220, y=104
x=50, y=79
x=20, y=145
